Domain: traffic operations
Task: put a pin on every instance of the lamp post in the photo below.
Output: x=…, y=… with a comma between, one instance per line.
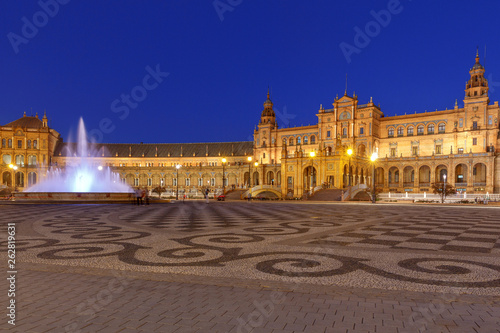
x=373, y=158
x=256, y=164
x=14, y=168
x=177, y=166
x=349, y=152
x=312, y=154
x=444, y=188
x=249, y=166
x=223, y=169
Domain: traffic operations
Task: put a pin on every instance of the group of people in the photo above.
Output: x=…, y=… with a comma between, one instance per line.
x=142, y=196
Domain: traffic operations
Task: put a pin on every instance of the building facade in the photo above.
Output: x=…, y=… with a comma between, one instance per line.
x=459, y=146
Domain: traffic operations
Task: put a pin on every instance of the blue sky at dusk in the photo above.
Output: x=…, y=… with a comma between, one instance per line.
x=221, y=56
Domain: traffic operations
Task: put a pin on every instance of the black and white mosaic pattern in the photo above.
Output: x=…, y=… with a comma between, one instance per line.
x=381, y=246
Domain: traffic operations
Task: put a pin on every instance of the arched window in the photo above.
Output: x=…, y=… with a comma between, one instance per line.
x=290, y=142
x=299, y=140
x=35, y=144
x=29, y=144
x=32, y=160
x=430, y=129
x=442, y=128
x=420, y=129
x=306, y=141
x=400, y=131
x=10, y=143
x=20, y=160
x=4, y=143
x=7, y=159
x=391, y=131
x=410, y=130
x=344, y=132
x=313, y=139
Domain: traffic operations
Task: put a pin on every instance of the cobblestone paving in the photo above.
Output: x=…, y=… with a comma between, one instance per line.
x=259, y=267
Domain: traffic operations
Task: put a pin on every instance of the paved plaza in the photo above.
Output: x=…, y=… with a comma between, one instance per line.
x=254, y=267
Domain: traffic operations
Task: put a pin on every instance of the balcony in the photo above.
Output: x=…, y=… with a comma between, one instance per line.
x=441, y=132
x=393, y=184
x=408, y=184
x=420, y=133
x=424, y=184
x=479, y=184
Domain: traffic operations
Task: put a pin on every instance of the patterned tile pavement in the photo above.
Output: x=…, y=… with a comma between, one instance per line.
x=259, y=267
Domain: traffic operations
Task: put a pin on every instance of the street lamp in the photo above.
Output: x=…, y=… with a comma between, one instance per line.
x=223, y=183
x=177, y=166
x=373, y=158
x=249, y=166
x=14, y=168
x=256, y=164
x=349, y=152
x=444, y=188
x=312, y=154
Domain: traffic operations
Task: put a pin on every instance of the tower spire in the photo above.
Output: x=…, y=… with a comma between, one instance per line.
x=345, y=92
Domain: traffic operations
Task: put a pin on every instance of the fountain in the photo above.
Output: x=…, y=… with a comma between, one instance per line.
x=80, y=180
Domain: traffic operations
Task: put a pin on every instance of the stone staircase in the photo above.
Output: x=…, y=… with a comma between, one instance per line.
x=234, y=194
x=326, y=195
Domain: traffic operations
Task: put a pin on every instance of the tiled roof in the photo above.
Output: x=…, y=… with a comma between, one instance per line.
x=213, y=149
x=26, y=122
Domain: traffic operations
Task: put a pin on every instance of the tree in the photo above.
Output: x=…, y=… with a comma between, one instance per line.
x=437, y=188
x=159, y=190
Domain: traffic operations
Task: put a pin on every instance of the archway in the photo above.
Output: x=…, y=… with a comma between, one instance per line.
x=20, y=179
x=246, y=177
x=424, y=176
x=31, y=178
x=278, y=178
x=441, y=171
x=393, y=177
x=309, y=178
x=479, y=173
x=408, y=176
x=379, y=176
x=7, y=178
x=270, y=178
x=461, y=174
x=255, y=177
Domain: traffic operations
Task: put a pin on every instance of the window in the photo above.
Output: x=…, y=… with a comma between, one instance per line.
x=393, y=152
x=490, y=120
x=313, y=138
x=35, y=144
x=299, y=140
x=188, y=181
x=200, y=181
x=136, y=181
x=438, y=150
x=263, y=155
x=150, y=182
x=420, y=129
x=344, y=132
x=460, y=150
x=19, y=143
x=212, y=181
x=290, y=142
x=306, y=140
x=474, y=125
x=162, y=182
x=4, y=143
x=20, y=160
x=441, y=128
x=410, y=131
x=7, y=159
x=328, y=134
x=391, y=132
x=414, y=151
x=29, y=144
x=400, y=131
x=174, y=183
x=430, y=129
x=32, y=160
x=474, y=141
x=361, y=130
x=460, y=122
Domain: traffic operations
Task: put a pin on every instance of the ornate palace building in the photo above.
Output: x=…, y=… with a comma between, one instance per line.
x=414, y=151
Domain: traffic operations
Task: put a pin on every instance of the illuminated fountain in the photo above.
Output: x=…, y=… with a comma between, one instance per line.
x=80, y=180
